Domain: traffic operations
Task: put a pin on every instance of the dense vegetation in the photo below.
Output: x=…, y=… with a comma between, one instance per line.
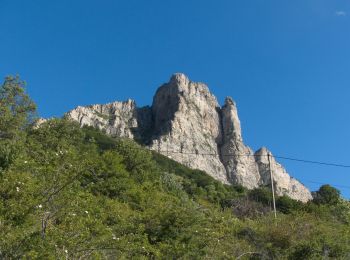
x=74, y=193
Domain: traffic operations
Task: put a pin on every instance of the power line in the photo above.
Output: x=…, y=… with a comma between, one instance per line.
x=335, y=185
x=266, y=155
x=215, y=154
x=272, y=186
x=313, y=162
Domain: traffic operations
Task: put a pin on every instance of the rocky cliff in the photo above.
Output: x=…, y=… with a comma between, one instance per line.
x=187, y=124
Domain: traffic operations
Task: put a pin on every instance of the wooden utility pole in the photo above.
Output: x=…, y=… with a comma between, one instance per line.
x=272, y=186
x=159, y=145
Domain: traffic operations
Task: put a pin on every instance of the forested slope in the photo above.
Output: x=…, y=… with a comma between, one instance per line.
x=74, y=193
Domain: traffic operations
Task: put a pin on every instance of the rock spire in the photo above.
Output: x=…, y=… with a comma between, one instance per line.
x=186, y=123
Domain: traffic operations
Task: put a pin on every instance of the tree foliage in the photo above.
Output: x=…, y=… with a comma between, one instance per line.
x=16, y=113
x=75, y=193
x=327, y=195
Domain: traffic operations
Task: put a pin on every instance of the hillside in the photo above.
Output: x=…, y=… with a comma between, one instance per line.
x=76, y=193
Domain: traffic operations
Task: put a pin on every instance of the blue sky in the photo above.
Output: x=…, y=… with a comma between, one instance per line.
x=285, y=63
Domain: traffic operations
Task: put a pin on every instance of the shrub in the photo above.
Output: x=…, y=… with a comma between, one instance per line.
x=245, y=208
x=287, y=205
x=262, y=195
x=327, y=195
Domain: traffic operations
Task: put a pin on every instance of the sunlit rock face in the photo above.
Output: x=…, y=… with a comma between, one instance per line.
x=187, y=120
x=187, y=124
x=237, y=158
x=120, y=119
x=284, y=184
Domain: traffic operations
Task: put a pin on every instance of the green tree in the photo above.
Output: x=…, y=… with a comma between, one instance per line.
x=327, y=195
x=262, y=195
x=287, y=205
x=137, y=161
x=17, y=111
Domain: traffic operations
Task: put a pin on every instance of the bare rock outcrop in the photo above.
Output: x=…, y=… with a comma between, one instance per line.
x=120, y=119
x=284, y=183
x=186, y=123
x=237, y=158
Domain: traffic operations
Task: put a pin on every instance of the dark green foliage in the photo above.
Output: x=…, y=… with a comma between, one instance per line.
x=327, y=195
x=287, y=205
x=303, y=251
x=103, y=141
x=262, y=195
x=198, y=184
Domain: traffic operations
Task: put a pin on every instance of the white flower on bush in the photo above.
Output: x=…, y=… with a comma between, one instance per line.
x=25, y=161
x=39, y=206
x=17, y=189
x=87, y=212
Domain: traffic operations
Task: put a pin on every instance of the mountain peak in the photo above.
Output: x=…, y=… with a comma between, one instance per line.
x=229, y=101
x=186, y=123
x=179, y=79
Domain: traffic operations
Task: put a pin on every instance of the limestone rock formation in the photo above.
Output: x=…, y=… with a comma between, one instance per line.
x=236, y=156
x=120, y=119
x=284, y=184
x=187, y=124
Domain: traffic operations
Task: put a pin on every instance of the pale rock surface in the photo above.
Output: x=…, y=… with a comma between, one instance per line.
x=39, y=122
x=238, y=158
x=284, y=184
x=119, y=119
x=187, y=124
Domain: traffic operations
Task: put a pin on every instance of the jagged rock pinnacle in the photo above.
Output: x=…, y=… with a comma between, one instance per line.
x=179, y=79
x=186, y=123
x=229, y=101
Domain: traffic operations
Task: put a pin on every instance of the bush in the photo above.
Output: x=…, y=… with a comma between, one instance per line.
x=245, y=208
x=327, y=195
x=287, y=205
x=303, y=251
x=262, y=195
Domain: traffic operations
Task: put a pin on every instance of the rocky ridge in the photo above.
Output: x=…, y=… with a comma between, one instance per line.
x=187, y=124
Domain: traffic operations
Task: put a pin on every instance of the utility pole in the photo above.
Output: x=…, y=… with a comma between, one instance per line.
x=181, y=153
x=272, y=186
x=167, y=149
x=158, y=144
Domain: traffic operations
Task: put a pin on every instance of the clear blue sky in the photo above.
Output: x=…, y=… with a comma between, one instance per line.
x=286, y=64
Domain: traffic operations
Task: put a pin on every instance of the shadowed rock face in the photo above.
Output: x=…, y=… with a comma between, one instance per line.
x=187, y=124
